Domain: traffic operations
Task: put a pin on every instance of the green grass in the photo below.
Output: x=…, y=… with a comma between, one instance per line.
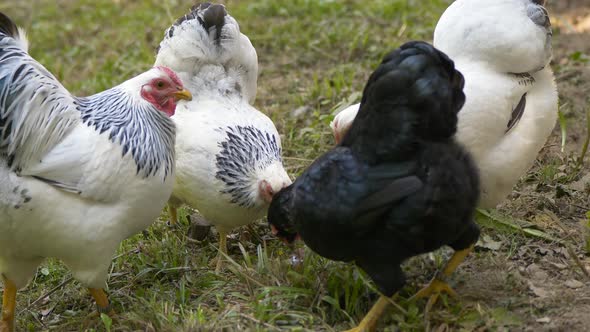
x=315, y=54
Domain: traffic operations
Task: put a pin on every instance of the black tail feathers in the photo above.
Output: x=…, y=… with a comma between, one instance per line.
x=214, y=16
x=7, y=26
x=209, y=15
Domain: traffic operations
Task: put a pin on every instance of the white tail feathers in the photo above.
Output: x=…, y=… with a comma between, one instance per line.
x=206, y=38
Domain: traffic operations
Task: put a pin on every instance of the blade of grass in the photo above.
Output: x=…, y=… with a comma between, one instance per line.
x=587, y=141
x=493, y=219
x=563, y=127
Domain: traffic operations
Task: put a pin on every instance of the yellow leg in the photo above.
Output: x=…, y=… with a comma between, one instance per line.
x=438, y=284
x=102, y=301
x=223, y=248
x=369, y=323
x=8, y=306
x=173, y=214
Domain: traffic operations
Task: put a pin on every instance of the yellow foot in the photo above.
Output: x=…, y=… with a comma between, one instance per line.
x=8, y=306
x=358, y=329
x=6, y=326
x=173, y=213
x=218, y=261
x=433, y=290
x=369, y=323
x=102, y=301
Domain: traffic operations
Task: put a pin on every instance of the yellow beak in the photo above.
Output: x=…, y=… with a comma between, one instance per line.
x=183, y=94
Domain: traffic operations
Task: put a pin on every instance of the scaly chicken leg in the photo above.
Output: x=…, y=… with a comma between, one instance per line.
x=8, y=306
x=369, y=323
x=173, y=214
x=223, y=248
x=438, y=284
x=218, y=260
x=102, y=301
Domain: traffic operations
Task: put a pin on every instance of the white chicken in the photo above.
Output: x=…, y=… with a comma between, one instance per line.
x=229, y=162
x=77, y=175
x=503, y=49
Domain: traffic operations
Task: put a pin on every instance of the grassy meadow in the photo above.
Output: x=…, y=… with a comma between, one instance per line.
x=315, y=57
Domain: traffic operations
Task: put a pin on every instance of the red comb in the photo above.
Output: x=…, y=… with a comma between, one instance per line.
x=172, y=74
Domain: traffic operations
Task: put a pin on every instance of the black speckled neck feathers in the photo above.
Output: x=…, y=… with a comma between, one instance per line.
x=139, y=128
x=245, y=151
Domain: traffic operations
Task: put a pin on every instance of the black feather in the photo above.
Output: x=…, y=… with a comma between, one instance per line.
x=517, y=113
x=7, y=26
x=398, y=185
x=214, y=16
x=208, y=15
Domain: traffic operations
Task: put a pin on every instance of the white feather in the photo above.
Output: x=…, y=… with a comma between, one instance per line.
x=22, y=39
x=342, y=121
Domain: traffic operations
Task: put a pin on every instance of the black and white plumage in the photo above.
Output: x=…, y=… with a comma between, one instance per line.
x=503, y=48
x=398, y=185
x=245, y=150
x=78, y=174
x=228, y=153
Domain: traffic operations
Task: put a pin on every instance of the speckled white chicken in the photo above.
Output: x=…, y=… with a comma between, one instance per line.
x=503, y=49
x=229, y=161
x=77, y=175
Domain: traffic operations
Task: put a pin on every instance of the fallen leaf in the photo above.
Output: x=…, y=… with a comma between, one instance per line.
x=45, y=312
x=487, y=242
x=544, y=320
x=574, y=284
x=581, y=184
x=538, y=291
x=559, y=266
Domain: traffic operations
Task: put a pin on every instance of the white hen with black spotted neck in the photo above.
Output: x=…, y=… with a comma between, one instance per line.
x=77, y=174
x=229, y=161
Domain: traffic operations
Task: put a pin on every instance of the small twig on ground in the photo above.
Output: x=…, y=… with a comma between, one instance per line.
x=563, y=127
x=298, y=159
x=587, y=141
x=571, y=252
x=132, y=251
x=44, y=296
x=259, y=321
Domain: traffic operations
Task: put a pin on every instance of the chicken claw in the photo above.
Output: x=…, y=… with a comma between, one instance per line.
x=438, y=284
x=370, y=320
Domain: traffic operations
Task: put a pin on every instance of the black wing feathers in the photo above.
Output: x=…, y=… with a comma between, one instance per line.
x=391, y=193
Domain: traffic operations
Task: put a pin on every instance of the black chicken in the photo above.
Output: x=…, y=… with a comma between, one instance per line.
x=397, y=185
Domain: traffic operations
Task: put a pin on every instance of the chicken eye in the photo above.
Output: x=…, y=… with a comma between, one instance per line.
x=160, y=84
